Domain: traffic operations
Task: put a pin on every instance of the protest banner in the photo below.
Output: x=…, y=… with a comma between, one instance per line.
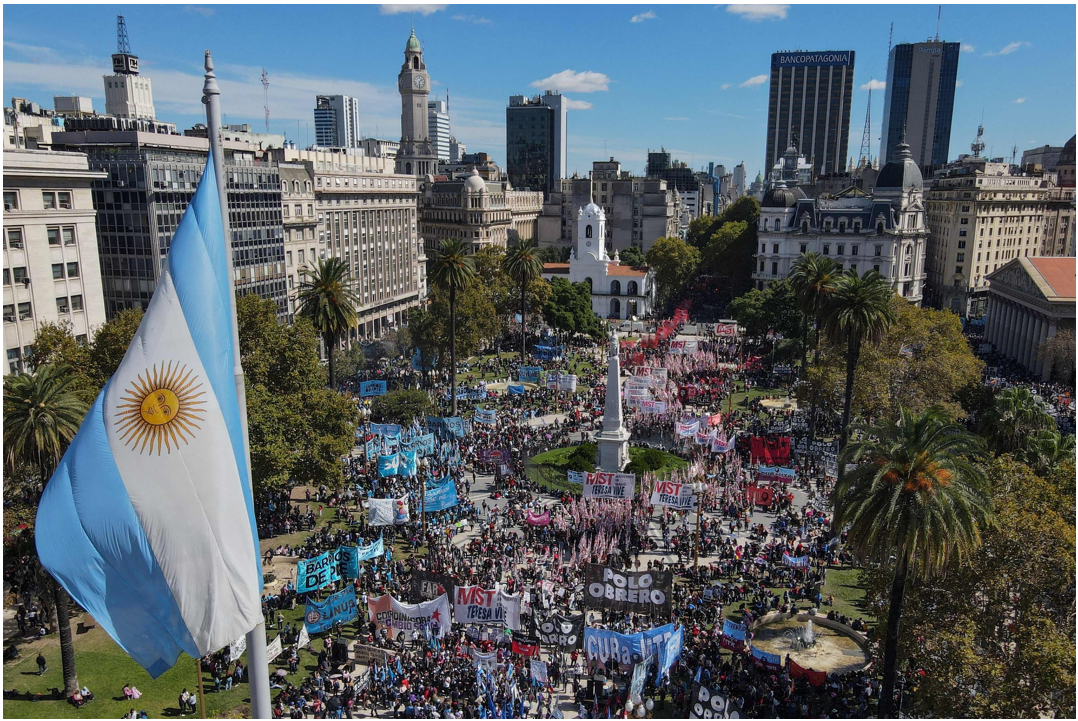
x=619, y=486
x=304, y=637
x=580, y=477
x=769, y=661
x=726, y=329
x=314, y=573
x=487, y=416
x=369, y=655
x=733, y=635
x=722, y=444
x=539, y=672
x=349, y=557
x=386, y=429
x=683, y=346
x=524, y=646
x=236, y=649
x=653, y=406
x=776, y=474
x=659, y=374
x=494, y=455
x=636, y=686
x=410, y=618
x=446, y=427
x=639, y=591
x=710, y=703
x=547, y=352
x=670, y=652
x=687, y=429
x=515, y=389
x=406, y=464
x=529, y=374
x=567, y=382
x=428, y=585
x=388, y=465
x=796, y=561
x=487, y=660
x=440, y=495
x=372, y=388
x=320, y=617
x=474, y=604
x=274, y=649
x=388, y=511
x=673, y=495
x=601, y=645
x=542, y=519
x=565, y=632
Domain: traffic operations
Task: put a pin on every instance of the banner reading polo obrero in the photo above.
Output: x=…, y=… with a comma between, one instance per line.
x=412, y=618
x=474, y=604
x=148, y=520
x=674, y=495
x=620, y=486
x=639, y=591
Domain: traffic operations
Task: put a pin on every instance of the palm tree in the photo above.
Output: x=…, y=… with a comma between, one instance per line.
x=1047, y=449
x=42, y=413
x=522, y=263
x=326, y=296
x=915, y=497
x=859, y=311
x=813, y=277
x=1012, y=419
x=452, y=269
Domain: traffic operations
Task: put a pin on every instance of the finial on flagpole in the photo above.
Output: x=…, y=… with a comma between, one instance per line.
x=210, y=87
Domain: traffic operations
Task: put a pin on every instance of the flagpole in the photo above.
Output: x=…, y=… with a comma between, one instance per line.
x=257, y=665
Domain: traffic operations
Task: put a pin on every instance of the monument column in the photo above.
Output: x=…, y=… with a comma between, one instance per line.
x=613, y=439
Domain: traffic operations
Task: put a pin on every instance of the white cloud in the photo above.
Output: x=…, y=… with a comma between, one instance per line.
x=649, y=15
x=1007, y=49
x=472, y=19
x=958, y=83
x=726, y=86
x=571, y=81
x=423, y=10
x=571, y=104
x=1019, y=101
x=757, y=13
x=967, y=48
x=754, y=80
x=677, y=119
x=32, y=52
x=200, y=10
x=874, y=85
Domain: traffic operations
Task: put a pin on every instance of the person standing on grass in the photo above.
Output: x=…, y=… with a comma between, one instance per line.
x=42, y=667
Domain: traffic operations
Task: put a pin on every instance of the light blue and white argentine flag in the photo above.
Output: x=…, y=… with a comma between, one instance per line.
x=148, y=521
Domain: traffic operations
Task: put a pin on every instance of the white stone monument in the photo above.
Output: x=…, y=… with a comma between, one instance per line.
x=613, y=440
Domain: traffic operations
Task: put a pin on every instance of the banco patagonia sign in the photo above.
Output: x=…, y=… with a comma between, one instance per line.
x=811, y=60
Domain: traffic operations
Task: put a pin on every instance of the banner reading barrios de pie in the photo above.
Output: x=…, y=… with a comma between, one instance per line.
x=639, y=591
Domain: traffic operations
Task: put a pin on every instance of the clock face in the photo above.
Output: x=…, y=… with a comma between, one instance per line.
x=589, y=243
x=419, y=81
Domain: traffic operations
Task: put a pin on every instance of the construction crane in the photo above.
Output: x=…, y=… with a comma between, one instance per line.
x=123, y=46
x=866, y=137
x=265, y=94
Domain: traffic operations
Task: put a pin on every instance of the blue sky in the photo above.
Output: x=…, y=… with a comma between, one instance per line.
x=690, y=78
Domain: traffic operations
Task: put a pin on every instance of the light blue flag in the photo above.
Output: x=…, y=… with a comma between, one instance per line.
x=407, y=464
x=148, y=521
x=388, y=464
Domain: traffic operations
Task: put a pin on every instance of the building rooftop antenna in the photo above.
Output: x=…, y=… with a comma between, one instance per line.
x=866, y=137
x=890, y=38
x=265, y=94
x=122, y=44
x=939, y=14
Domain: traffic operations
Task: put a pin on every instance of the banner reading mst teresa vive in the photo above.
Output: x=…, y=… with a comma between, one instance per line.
x=674, y=495
x=474, y=604
x=619, y=486
x=639, y=591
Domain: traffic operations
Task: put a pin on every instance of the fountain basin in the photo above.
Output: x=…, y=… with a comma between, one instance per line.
x=837, y=647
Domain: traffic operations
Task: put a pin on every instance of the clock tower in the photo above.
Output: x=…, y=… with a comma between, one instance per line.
x=416, y=155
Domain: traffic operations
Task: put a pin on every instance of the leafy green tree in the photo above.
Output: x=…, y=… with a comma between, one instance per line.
x=402, y=406
x=748, y=310
x=721, y=246
x=915, y=495
x=995, y=638
x=632, y=256
x=675, y=263
x=859, y=312
x=94, y=363
x=110, y=344
x=763, y=311
x=327, y=298
x=1047, y=449
x=1013, y=419
x=354, y=359
x=55, y=343
x=42, y=414
x=522, y=264
x=569, y=309
x=452, y=270
x=553, y=254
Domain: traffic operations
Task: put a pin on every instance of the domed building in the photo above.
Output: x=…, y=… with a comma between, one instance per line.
x=617, y=291
x=885, y=231
x=471, y=209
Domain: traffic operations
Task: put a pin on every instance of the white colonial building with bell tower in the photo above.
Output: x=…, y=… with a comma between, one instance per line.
x=417, y=154
x=617, y=291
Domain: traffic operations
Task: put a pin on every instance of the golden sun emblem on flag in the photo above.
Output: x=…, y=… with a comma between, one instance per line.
x=160, y=409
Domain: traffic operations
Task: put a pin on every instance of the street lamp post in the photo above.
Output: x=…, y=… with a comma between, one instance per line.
x=698, y=488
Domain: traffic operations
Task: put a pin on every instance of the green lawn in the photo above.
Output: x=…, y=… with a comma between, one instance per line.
x=843, y=584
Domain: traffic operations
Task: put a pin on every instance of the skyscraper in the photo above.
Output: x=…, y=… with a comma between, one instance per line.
x=336, y=121
x=919, y=100
x=438, y=122
x=809, y=107
x=535, y=141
